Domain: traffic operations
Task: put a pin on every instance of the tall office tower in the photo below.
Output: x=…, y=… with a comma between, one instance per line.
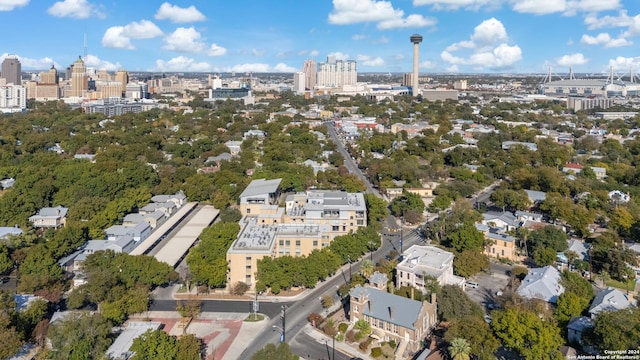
x=49, y=77
x=416, y=40
x=79, y=80
x=104, y=75
x=310, y=71
x=122, y=76
x=12, y=70
x=337, y=72
x=298, y=82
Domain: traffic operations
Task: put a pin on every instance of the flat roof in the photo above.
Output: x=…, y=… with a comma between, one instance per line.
x=161, y=230
x=254, y=236
x=428, y=257
x=181, y=242
x=261, y=187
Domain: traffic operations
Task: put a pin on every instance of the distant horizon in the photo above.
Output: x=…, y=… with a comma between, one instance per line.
x=459, y=36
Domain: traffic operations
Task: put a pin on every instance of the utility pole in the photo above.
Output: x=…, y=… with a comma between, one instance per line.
x=333, y=350
x=283, y=316
x=349, y=260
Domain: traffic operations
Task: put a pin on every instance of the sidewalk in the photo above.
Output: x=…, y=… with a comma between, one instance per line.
x=322, y=338
x=223, y=295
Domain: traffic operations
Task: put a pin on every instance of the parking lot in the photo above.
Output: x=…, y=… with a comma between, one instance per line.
x=489, y=284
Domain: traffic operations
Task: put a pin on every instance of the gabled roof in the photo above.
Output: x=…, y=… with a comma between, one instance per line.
x=609, y=300
x=60, y=211
x=536, y=196
x=391, y=308
x=580, y=323
x=542, y=283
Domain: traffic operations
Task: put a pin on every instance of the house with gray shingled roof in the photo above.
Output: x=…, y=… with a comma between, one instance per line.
x=393, y=317
x=608, y=300
x=543, y=284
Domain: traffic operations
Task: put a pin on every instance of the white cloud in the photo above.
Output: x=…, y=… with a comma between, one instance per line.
x=634, y=27
x=34, y=64
x=457, y=4
x=567, y=7
x=314, y=53
x=339, y=55
x=309, y=53
x=258, y=52
x=184, y=40
x=625, y=63
x=571, y=60
x=216, y=50
x=182, y=63
x=427, y=64
x=176, y=14
x=120, y=36
x=97, y=63
x=452, y=69
x=347, y=12
x=368, y=60
x=605, y=39
x=8, y=5
x=539, y=7
x=621, y=20
x=280, y=67
x=486, y=48
x=78, y=9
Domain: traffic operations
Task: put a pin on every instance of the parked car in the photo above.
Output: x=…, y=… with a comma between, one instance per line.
x=472, y=285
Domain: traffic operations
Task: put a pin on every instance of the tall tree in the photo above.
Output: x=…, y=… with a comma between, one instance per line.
x=525, y=332
x=459, y=349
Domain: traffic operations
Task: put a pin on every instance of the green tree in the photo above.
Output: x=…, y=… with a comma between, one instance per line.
x=80, y=336
x=528, y=334
x=477, y=333
x=10, y=338
x=407, y=201
x=569, y=305
x=466, y=237
x=617, y=330
x=207, y=261
x=459, y=349
x=544, y=256
x=189, y=347
x=154, y=344
x=271, y=352
x=469, y=263
x=377, y=211
x=6, y=263
x=454, y=303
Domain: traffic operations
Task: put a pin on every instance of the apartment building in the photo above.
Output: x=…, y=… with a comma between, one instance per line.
x=308, y=221
x=420, y=261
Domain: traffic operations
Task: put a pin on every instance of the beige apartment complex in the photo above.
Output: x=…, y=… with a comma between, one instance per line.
x=309, y=221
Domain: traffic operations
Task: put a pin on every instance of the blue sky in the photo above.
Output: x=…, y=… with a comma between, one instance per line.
x=460, y=36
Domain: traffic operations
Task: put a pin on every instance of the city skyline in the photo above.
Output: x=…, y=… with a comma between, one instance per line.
x=460, y=36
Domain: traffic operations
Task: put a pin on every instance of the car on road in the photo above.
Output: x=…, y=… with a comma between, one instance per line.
x=472, y=285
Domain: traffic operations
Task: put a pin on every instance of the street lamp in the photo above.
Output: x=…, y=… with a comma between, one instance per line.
x=349, y=260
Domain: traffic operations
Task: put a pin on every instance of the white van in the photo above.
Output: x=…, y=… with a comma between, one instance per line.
x=472, y=285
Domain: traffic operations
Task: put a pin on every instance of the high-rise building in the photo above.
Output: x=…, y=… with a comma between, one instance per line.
x=298, y=82
x=12, y=70
x=310, y=71
x=334, y=73
x=49, y=77
x=122, y=76
x=79, y=80
x=13, y=98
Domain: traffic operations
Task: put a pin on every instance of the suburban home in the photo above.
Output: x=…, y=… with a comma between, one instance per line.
x=419, y=261
x=50, y=217
x=393, y=317
x=120, y=349
x=507, y=145
x=536, y=197
x=543, y=284
x=225, y=156
x=8, y=231
x=528, y=216
x=609, y=300
x=154, y=219
x=168, y=208
x=501, y=245
x=139, y=232
x=179, y=199
x=503, y=221
x=577, y=327
x=316, y=166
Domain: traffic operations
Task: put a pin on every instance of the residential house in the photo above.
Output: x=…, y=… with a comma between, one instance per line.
x=503, y=221
x=234, y=147
x=608, y=300
x=254, y=133
x=543, y=284
x=154, y=219
x=393, y=317
x=8, y=231
x=225, y=156
x=601, y=173
x=507, y=145
x=571, y=168
x=577, y=327
x=179, y=199
x=50, y=217
x=536, y=197
x=528, y=216
x=420, y=261
x=168, y=208
x=316, y=166
x=138, y=232
x=501, y=245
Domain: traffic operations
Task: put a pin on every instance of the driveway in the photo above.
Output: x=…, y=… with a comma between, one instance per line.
x=489, y=284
